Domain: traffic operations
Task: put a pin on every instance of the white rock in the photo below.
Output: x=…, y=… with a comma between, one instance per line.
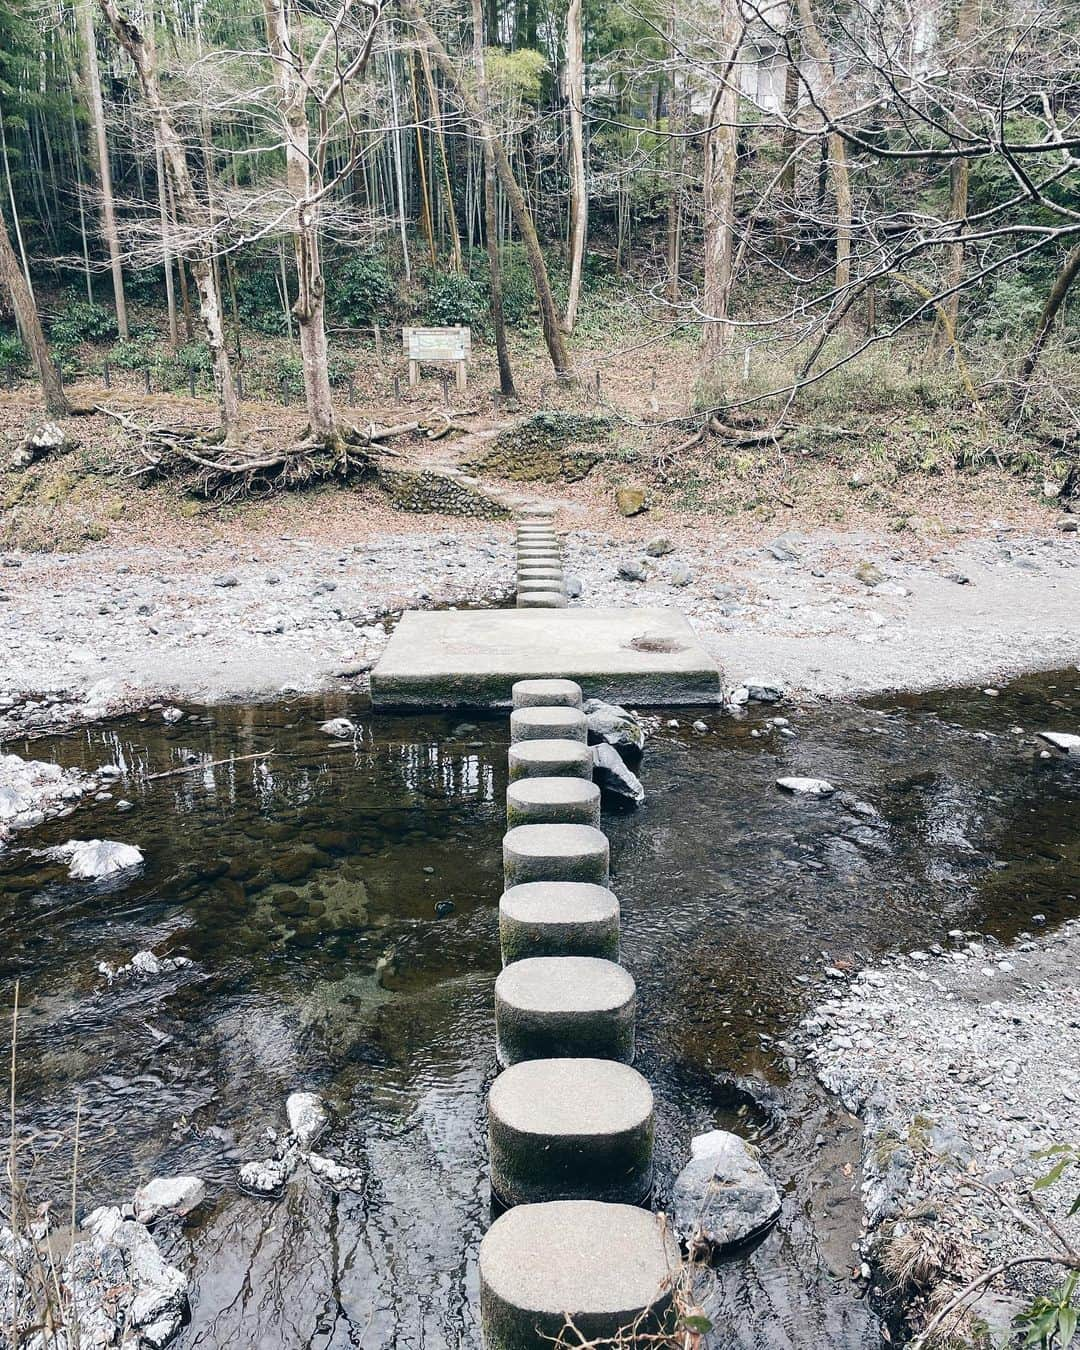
x=269, y=1175
x=340, y=727
x=336, y=1175
x=307, y=1117
x=92, y=858
x=168, y=1195
x=1062, y=740
x=806, y=787
x=172, y=715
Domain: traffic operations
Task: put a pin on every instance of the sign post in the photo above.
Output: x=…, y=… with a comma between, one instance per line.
x=446, y=345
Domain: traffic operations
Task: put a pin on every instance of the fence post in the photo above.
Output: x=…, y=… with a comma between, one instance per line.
x=10, y=376
x=107, y=373
x=191, y=382
x=598, y=385
x=352, y=390
x=146, y=373
x=285, y=390
x=397, y=389
x=240, y=381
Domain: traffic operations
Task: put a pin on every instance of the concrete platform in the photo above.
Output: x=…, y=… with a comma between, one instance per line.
x=463, y=658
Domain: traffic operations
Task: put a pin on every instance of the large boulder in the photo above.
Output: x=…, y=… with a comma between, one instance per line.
x=168, y=1195
x=723, y=1196
x=125, y=1290
x=307, y=1118
x=630, y=500
x=613, y=725
x=615, y=781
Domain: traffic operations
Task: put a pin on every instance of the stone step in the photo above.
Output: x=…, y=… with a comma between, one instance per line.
x=558, y=918
x=552, y=801
x=548, y=724
x=557, y=758
x=554, y=1007
x=570, y=1129
x=608, y=1267
x=546, y=693
x=555, y=852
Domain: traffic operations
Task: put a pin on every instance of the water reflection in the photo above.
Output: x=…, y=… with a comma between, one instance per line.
x=337, y=902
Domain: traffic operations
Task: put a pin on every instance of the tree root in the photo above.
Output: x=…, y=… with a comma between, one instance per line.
x=226, y=471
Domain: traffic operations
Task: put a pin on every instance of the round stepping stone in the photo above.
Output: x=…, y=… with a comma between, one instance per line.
x=545, y=573
x=555, y=853
x=552, y=801
x=548, y=724
x=554, y=1007
x=551, y=556
x=550, y=759
x=558, y=918
x=606, y=1266
x=542, y=600
x=546, y=693
x=570, y=1129
x=538, y=531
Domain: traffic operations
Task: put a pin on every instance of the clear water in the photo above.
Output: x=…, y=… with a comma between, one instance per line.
x=286, y=879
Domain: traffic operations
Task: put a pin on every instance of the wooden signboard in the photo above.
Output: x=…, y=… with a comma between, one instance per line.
x=453, y=345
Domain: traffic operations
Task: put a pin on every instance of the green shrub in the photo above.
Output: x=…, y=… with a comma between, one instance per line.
x=360, y=289
x=12, y=353
x=451, y=298
x=258, y=299
x=194, y=356
x=81, y=321
x=339, y=368
x=136, y=353
x=285, y=370
x=1012, y=307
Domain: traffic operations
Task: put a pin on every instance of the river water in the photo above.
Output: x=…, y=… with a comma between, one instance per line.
x=303, y=886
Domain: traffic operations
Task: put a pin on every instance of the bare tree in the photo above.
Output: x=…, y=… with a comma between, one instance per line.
x=579, y=196
x=140, y=48
x=92, y=81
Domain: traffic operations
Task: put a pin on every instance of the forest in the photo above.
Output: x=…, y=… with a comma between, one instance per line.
x=876, y=198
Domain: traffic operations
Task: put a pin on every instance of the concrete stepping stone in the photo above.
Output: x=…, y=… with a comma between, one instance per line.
x=542, y=600
x=548, y=724
x=552, y=801
x=558, y=918
x=555, y=852
x=606, y=1266
x=553, y=577
x=532, y=584
x=570, y=1129
x=550, y=759
x=539, y=531
x=554, y=1007
x=546, y=693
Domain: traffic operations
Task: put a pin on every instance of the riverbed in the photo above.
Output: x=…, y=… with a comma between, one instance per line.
x=337, y=903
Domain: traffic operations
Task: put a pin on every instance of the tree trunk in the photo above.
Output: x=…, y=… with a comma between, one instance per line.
x=310, y=307
x=674, y=167
x=718, y=195
x=11, y=274
x=191, y=211
x=491, y=226
x=1058, y=291
x=838, y=159
x=97, y=118
x=579, y=198
x=549, y=315
x=959, y=175
x=440, y=137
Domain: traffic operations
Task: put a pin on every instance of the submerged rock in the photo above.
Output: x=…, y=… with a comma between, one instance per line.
x=340, y=727
x=172, y=715
x=89, y=859
x=143, y=963
x=722, y=1196
x=806, y=787
x=168, y=1195
x=613, y=778
x=338, y=1176
x=308, y=1117
x=610, y=723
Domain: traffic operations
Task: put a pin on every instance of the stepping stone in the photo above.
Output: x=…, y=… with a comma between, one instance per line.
x=606, y=1266
x=552, y=801
x=551, y=556
x=570, y=1129
x=555, y=852
x=546, y=693
x=554, y=1007
x=537, y=532
x=558, y=918
x=542, y=600
x=541, y=583
x=550, y=759
x=548, y=724
x=552, y=575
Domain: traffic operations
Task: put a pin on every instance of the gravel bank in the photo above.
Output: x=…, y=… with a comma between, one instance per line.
x=963, y=1064
x=254, y=613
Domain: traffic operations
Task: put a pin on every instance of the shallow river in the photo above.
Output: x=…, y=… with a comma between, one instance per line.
x=287, y=878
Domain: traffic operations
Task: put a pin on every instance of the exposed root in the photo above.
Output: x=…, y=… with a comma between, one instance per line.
x=223, y=470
